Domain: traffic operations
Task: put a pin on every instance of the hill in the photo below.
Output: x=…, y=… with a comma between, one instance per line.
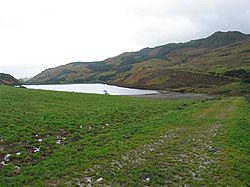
x=7, y=79
x=198, y=65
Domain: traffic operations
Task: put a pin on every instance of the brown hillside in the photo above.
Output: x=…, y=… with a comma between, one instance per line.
x=7, y=79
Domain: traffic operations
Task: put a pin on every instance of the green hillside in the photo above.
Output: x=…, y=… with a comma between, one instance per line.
x=198, y=65
x=6, y=79
x=50, y=138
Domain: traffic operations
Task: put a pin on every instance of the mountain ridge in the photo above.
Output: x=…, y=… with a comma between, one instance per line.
x=201, y=56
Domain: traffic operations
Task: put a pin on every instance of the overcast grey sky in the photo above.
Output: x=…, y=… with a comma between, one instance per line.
x=40, y=34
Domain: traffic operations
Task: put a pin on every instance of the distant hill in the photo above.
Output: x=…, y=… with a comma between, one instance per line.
x=24, y=79
x=198, y=65
x=7, y=79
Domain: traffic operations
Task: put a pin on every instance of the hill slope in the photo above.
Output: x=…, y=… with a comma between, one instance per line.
x=197, y=65
x=7, y=79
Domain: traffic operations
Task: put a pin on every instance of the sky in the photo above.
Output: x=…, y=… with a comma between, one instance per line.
x=40, y=34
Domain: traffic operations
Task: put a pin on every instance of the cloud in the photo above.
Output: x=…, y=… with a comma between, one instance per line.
x=173, y=21
x=51, y=33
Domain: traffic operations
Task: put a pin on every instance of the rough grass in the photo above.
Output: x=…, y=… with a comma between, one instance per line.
x=69, y=139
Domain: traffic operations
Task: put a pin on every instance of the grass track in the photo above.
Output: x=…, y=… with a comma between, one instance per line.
x=122, y=141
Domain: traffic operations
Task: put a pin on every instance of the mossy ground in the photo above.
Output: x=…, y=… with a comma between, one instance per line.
x=70, y=139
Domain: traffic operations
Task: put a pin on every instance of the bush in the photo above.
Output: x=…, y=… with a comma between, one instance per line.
x=240, y=73
x=246, y=80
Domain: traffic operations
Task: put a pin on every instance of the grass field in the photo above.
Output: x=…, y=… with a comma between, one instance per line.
x=70, y=139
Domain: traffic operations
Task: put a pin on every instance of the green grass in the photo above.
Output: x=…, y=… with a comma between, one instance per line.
x=121, y=140
x=236, y=87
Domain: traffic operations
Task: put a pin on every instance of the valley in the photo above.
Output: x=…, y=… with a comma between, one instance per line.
x=195, y=136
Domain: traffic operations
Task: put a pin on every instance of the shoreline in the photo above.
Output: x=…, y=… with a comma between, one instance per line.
x=165, y=95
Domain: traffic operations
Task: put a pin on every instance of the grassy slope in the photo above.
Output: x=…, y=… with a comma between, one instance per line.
x=133, y=142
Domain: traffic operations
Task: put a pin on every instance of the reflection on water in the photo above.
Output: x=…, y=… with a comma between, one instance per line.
x=93, y=88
